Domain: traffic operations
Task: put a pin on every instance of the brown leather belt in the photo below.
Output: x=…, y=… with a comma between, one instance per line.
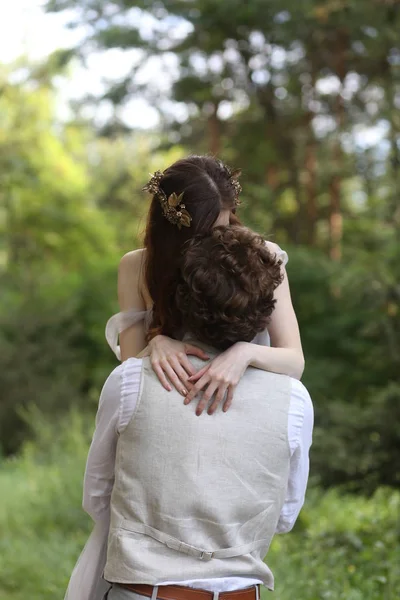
x=178, y=592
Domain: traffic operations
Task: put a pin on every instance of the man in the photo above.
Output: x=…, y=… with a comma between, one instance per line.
x=196, y=500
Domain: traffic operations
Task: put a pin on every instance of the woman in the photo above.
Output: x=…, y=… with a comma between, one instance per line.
x=190, y=197
x=208, y=194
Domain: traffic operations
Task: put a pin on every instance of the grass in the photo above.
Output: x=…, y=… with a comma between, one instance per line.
x=342, y=548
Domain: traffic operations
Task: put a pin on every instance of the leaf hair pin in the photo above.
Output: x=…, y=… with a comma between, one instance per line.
x=234, y=176
x=173, y=208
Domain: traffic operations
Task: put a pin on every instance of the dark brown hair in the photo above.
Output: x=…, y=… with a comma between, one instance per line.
x=226, y=291
x=207, y=189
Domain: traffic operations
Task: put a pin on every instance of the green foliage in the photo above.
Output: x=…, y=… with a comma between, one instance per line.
x=46, y=210
x=52, y=344
x=119, y=168
x=351, y=339
x=257, y=90
x=41, y=520
x=282, y=88
x=254, y=78
x=356, y=444
x=343, y=547
x=56, y=251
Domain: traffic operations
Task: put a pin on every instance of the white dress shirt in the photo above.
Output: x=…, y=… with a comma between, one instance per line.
x=116, y=406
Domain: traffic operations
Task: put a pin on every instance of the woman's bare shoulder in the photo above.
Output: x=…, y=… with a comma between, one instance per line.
x=130, y=280
x=130, y=262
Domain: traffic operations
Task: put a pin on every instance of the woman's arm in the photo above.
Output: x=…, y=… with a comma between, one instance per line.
x=285, y=354
x=132, y=339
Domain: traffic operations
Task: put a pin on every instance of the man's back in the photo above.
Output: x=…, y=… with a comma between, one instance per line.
x=200, y=498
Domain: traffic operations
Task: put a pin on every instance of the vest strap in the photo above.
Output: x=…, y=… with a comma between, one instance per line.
x=193, y=551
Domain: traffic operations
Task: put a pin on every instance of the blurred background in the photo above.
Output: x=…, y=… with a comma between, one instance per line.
x=304, y=96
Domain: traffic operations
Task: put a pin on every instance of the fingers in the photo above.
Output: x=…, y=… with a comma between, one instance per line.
x=160, y=374
x=186, y=364
x=221, y=388
x=197, y=388
x=182, y=375
x=163, y=368
x=207, y=395
x=195, y=351
x=229, y=397
x=199, y=374
x=173, y=377
x=219, y=396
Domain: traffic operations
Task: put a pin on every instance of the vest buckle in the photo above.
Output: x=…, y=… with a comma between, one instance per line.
x=206, y=555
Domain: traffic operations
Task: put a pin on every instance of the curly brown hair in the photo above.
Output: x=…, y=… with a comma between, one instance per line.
x=226, y=289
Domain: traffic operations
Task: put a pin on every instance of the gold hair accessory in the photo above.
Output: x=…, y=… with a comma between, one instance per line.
x=234, y=176
x=173, y=208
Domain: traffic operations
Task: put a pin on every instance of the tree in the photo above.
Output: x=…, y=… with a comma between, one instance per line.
x=266, y=84
x=53, y=241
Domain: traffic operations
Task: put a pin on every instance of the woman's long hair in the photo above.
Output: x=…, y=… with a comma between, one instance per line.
x=207, y=189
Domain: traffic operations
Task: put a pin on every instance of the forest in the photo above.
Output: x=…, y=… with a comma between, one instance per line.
x=304, y=97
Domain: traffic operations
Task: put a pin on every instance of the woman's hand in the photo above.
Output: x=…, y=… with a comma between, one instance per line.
x=220, y=377
x=169, y=360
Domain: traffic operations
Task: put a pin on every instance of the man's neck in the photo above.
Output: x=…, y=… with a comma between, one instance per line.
x=208, y=348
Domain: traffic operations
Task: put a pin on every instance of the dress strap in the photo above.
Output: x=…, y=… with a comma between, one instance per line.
x=118, y=323
x=283, y=256
x=279, y=253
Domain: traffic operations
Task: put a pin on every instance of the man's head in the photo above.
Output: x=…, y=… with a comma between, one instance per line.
x=228, y=278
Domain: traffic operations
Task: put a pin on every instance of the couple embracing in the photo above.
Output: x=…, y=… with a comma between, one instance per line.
x=200, y=452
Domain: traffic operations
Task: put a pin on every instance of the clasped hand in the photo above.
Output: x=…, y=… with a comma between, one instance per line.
x=218, y=378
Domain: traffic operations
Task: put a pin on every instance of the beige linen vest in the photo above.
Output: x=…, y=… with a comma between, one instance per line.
x=199, y=497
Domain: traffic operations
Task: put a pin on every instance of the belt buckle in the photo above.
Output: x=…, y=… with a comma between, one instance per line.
x=206, y=555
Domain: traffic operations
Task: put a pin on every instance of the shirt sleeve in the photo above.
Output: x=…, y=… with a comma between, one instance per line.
x=116, y=406
x=300, y=426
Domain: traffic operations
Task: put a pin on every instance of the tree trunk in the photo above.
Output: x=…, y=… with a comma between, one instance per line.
x=311, y=160
x=214, y=132
x=335, y=218
x=311, y=189
x=272, y=176
x=394, y=120
x=335, y=213
x=294, y=176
